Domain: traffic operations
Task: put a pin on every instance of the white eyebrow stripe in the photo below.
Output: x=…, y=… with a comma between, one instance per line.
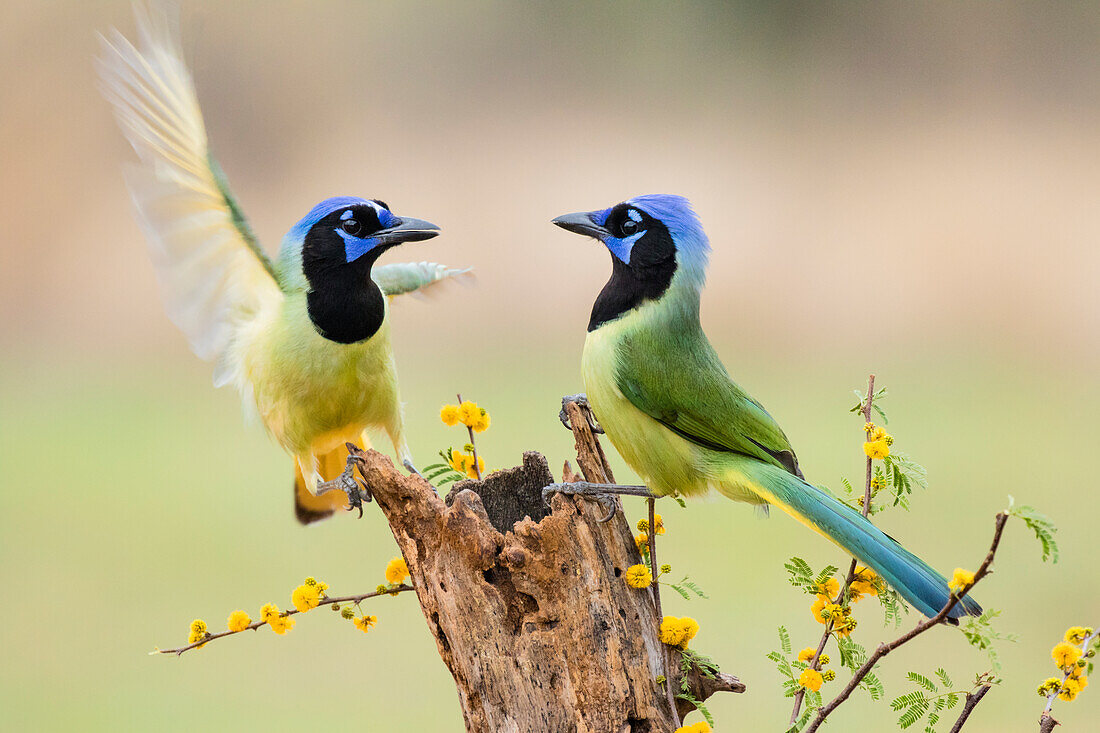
x=347, y=215
x=633, y=214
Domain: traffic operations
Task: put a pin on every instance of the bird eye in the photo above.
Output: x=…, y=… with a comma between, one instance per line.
x=629, y=226
x=351, y=226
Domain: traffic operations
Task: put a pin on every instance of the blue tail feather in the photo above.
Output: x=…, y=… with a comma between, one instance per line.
x=916, y=581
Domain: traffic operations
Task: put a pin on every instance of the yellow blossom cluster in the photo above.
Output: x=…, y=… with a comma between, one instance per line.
x=274, y=618
x=238, y=621
x=198, y=632
x=638, y=576
x=960, y=580
x=824, y=611
x=658, y=521
x=308, y=595
x=1071, y=657
x=878, y=442
x=468, y=413
x=678, y=631
x=812, y=678
x=701, y=727
x=396, y=571
x=464, y=463
x=365, y=623
x=865, y=582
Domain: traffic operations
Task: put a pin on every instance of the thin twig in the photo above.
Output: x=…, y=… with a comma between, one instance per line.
x=655, y=587
x=972, y=700
x=473, y=445
x=884, y=649
x=815, y=663
x=251, y=627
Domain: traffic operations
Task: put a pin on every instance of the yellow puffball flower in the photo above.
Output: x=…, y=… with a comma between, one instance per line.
x=642, y=543
x=1065, y=654
x=306, y=597
x=197, y=632
x=638, y=576
x=1050, y=685
x=876, y=449
x=397, y=571
x=365, y=623
x=961, y=580
x=281, y=624
x=1077, y=634
x=659, y=523
x=468, y=413
x=449, y=415
x=843, y=626
x=671, y=631
x=470, y=471
x=238, y=621
x=690, y=628
x=481, y=424
x=829, y=588
x=869, y=427
x=807, y=654
x=810, y=679
x=643, y=525
x=828, y=675
x=458, y=460
x=818, y=607
x=879, y=434
x=1069, y=690
x=824, y=659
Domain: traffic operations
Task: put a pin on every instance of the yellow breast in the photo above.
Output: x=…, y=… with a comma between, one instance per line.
x=667, y=463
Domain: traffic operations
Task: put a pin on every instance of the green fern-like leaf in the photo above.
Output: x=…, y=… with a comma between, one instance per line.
x=923, y=681
x=784, y=640
x=912, y=714
x=1040, y=524
x=943, y=677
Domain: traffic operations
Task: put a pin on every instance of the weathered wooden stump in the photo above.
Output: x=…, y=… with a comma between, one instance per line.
x=528, y=606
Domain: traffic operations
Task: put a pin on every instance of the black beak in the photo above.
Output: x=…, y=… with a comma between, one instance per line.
x=406, y=230
x=581, y=223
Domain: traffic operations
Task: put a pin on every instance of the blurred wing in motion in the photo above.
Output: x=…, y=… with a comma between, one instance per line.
x=415, y=277
x=214, y=275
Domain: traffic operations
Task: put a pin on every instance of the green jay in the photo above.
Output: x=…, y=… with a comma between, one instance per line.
x=670, y=408
x=306, y=338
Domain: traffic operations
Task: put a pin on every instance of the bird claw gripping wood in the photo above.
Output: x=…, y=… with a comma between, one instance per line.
x=592, y=492
x=581, y=400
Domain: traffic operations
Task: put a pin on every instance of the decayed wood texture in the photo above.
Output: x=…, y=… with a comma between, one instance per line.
x=534, y=622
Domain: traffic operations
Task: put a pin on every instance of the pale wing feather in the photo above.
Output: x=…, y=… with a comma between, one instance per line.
x=214, y=275
x=413, y=277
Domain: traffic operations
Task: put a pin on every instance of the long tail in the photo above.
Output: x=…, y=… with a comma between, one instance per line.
x=920, y=585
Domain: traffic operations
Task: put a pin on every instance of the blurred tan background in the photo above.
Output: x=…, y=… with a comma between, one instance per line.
x=889, y=187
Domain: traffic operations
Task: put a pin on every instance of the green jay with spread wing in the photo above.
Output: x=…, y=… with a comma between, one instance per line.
x=670, y=408
x=304, y=338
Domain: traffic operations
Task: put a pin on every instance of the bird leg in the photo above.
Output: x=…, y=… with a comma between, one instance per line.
x=603, y=494
x=356, y=491
x=582, y=400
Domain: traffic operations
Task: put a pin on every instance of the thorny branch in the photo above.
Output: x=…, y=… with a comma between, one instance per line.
x=884, y=649
x=252, y=627
x=815, y=663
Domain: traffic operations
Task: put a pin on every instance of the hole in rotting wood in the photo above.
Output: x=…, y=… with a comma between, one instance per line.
x=442, y=586
x=618, y=572
x=443, y=641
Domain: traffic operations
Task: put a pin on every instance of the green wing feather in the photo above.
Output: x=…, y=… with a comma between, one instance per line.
x=411, y=277
x=681, y=383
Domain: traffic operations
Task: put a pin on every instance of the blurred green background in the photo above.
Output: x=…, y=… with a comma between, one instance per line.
x=909, y=189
